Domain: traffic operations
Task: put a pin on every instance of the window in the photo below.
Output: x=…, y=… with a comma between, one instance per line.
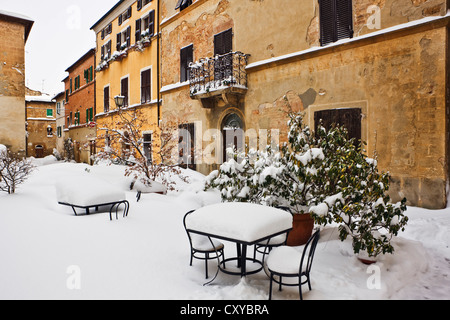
x=336, y=20
x=70, y=86
x=59, y=132
x=148, y=146
x=89, y=115
x=125, y=16
x=77, y=118
x=223, y=42
x=106, y=99
x=67, y=95
x=77, y=83
x=123, y=39
x=146, y=86
x=124, y=91
x=142, y=3
x=186, y=145
x=49, y=113
x=58, y=108
x=49, y=131
x=89, y=74
x=349, y=118
x=186, y=57
x=106, y=31
x=106, y=51
x=183, y=4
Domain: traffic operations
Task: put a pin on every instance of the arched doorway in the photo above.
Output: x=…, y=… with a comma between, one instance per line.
x=39, y=151
x=232, y=134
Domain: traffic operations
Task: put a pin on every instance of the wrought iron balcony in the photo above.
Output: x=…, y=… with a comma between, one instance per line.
x=212, y=77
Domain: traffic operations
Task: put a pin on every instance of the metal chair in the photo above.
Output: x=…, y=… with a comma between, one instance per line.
x=289, y=262
x=202, y=247
x=266, y=247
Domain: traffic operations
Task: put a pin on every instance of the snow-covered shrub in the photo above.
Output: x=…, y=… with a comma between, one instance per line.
x=324, y=173
x=251, y=179
x=354, y=194
x=13, y=170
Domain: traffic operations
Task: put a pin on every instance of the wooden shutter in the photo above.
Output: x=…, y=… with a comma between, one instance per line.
x=138, y=29
x=344, y=19
x=119, y=41
x=151, y=24
x=103, y=53
x=139, y=5
x=178, y=4
x=336, y=20
x=129, y=13
x=186, y=57
x=223, y=42
x=327, y=21
x=128, y=37
x=349, y=118
x=120, y=20
x=106, y=99
x=124, y=91
x=145, y=86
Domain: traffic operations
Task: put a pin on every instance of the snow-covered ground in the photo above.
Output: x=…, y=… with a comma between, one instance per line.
x=49, y=253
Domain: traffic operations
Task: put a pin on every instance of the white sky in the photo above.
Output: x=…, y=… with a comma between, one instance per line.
x=60, y=36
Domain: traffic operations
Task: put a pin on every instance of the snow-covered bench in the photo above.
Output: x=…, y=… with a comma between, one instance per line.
x=86, y=192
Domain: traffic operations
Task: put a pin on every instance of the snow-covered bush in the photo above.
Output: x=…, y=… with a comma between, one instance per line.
x=13, y=170
x=353, y=193
x=322, y=173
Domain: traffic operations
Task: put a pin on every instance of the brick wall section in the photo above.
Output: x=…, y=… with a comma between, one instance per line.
x=84, y=97
x=12, y=59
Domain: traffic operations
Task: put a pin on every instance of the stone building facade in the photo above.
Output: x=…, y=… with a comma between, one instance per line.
x=127, y=65
x=14, y=32
x=379, y=66
x=80, y=107
x=40, y=124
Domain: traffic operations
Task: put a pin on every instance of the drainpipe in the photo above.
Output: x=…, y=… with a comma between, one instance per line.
x=158, y=71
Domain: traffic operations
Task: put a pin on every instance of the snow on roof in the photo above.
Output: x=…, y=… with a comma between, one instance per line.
x=15, y=15
x=42, y=98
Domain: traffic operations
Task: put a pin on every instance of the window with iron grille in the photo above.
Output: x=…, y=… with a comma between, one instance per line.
x=336, y=20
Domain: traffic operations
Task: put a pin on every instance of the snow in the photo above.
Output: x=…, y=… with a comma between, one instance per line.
x=146, y=255
x=240, y=221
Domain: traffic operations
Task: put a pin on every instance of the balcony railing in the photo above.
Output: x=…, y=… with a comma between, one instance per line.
x=210, y=76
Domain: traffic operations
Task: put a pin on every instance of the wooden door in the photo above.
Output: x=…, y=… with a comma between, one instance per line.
x=349, y=118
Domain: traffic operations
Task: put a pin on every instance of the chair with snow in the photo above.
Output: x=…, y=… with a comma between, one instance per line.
x=289, y=262
x=266, y=246
x=203, y=248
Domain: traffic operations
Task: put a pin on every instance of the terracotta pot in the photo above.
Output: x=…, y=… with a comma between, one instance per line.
x=302, y=230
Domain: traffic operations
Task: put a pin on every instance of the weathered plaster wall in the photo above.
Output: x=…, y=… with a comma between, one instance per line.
x=400, y=87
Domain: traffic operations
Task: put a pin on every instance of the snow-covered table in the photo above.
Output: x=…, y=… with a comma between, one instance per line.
x=245, y=224
x=86, y=192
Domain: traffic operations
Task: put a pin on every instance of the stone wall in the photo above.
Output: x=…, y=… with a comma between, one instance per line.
x=12, y=86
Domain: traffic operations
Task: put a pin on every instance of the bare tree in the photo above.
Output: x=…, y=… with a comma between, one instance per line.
x=13, y=171
x=146, y=160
